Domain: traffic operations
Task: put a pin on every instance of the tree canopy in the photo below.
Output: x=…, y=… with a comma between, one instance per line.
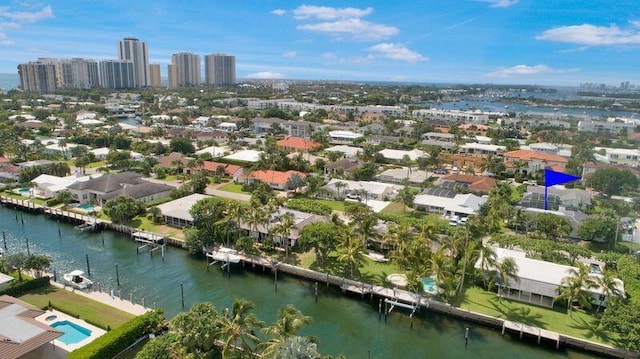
x=613, y=181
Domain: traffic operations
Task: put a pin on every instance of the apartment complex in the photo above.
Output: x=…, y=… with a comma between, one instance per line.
x=116, y=74
x=220, y=69
x=134, y=50
x=184, y=70
x=154, y=75
x=38, y=76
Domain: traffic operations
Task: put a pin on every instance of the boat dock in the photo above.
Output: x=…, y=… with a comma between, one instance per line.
x=150, y=240
x=539, y=333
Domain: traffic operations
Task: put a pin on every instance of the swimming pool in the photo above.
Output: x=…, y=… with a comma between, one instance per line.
x=429, y=285
x=24, y=192
x=86, y=206
x=73, y=333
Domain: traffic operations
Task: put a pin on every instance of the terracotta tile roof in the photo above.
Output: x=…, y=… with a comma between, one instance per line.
x=556, y=168
x=212, y=166
x=527, y=155
x=168, y=160
x=275, y=177
x=298, y=143
x=476, y=183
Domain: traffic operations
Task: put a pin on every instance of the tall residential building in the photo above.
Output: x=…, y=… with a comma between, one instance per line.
x=116, y=74
x=154, y=75
x=37, y=76
x=86, y=74
x=136, y=51
x=186, y=69
x=172, y=75
x=220, y=69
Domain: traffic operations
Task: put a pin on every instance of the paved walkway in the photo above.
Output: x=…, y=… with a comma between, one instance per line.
x=106, y=298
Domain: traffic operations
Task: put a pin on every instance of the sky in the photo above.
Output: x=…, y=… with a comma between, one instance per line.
x=556, y=42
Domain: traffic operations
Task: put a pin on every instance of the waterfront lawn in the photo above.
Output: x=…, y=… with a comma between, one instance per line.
x=582, y=325
x=233, y=188
x=13, y=195
x=97, y=164
x=77, y=305
x=370, y=270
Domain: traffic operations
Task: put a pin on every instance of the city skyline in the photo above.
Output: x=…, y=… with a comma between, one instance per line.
x=479, y=41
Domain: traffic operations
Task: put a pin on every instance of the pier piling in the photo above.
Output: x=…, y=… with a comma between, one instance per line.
x=86, y=256
x=117, y=276
x=182, y=294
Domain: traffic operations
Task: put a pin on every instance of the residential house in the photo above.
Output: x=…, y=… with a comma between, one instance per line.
x=620, y=156
x=399, y=155
x=112, y=185
x=298, y=144
x=414, y=176
x=463, y=161
x=21, y=335
x=275, y=179
x=48, y=186
x=612, y=126
x=230, y=170
x=344, y=137
x=448, y=203
x=344, y=167
x=173, y=160
x=444, y=140
x=472, y=183
x=176, y=213
x=475, y=148
x=250, y=156
x=474, y=129
x=529, y=162
x=558, y=197
x=538, y=281
x=590, y=168
x=265, y=228
x=348, y=151
x=263, y=126
x=363, y=190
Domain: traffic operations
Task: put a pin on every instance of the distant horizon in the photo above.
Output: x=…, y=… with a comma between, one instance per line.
x=441, y=41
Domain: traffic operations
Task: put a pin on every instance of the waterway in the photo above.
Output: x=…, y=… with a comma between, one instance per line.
x=343, y=325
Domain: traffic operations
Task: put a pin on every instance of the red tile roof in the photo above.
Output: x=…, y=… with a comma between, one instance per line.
x=527, y=155
x=556, y=168
x=229, y=170
x=298, y=143
x=275, y=177
x=476, y=183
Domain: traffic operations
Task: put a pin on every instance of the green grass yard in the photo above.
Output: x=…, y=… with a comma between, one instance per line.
x=76, y=305
x=233, y=187
x=581, y=325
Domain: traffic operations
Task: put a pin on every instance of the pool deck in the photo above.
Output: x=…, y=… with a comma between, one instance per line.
x=95, y=331
x=106, y=298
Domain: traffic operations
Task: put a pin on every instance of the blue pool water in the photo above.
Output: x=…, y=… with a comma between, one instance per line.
x=429, y=285
x=73, y=333
x=87, y=207
x=24, y=192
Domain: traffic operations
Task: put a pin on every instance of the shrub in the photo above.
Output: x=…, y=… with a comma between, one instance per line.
x=117, y=340
x=23, y=287
x=307, y=205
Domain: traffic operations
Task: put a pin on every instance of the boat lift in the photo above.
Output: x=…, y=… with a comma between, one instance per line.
x=147, y=239
x=395, y=303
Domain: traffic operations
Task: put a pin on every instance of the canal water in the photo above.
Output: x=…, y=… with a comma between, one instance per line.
x=343, y=325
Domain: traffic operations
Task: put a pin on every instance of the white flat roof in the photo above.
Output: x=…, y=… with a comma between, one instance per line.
x=345, y=134
x=399, y=154
x=180, y=207
x=245, y=156
x=215, y=151
x=347, y=150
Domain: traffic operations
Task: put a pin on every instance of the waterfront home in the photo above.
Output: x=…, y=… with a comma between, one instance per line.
x=481, y=149
x=344, y=167
x=538, y=281
x=344, y=137
x=298, y=144
x=173, y=160
x=176, y=213
x=112, y=185
x=362, y=190
x=21, y=335
x=448, y=203
x=347, y=151
x=277, y=180
x=249, y=156
x=558, y=196
x=264, y=229
x=213, y=168
x=215, y=151
x=48, y=186
x=399, y=155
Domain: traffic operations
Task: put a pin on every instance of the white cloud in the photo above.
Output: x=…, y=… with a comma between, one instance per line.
x=500, y=3
x=290, y=54
x=329, y=13
x=26, y=16
x=329, y=56
x=279, y=12
x=15, y=19
x=266, y=75
x=591, y=35
x=396, y=52
x=521, y=70
x=356, y=28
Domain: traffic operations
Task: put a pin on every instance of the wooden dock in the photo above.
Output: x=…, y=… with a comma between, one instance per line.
x=539, y=333
x=150, y=240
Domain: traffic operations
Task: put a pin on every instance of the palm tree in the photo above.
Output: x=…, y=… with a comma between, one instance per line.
x=340, y=185
x=508, y=269
x=236, y=212
x=609, y=287
x=238, y=329
x=298, y=348
x=350, y=252
x=289, y=321
x=574, y=288
x=155, y=213
x=283, y=228
x=488, y=261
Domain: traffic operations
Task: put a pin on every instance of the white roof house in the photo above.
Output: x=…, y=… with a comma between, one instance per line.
x=460, y=205
x=342, y=136
x=49, y=186
x=90, y=122
x=85, y=115
x=348, y=151
x=176, y=213
x=215, y=151
x=398, y=175
x=365, y=189
x=245, y=156
x=539, y=280
x=480, y=148
x=227, y=126
x=396, y=155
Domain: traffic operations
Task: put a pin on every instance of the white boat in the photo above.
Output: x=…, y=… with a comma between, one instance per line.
x=224, y=254
x=77, y=279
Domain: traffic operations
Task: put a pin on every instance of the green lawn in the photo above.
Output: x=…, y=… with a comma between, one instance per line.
x=13, y=195
x=370, y=270
x=97, y=164
x=73, y=304
x=582, y=325
x=233, y=187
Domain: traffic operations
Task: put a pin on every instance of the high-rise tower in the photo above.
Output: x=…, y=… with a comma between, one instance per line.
x=136, y=51
x=185, y=70
x=220, y=69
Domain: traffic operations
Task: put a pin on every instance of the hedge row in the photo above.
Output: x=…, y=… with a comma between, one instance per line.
x=115, y=341
x=23, y=287
x=310, y=206
x=629, y=273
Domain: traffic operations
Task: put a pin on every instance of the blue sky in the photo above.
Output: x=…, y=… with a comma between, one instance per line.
x=561, y=42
